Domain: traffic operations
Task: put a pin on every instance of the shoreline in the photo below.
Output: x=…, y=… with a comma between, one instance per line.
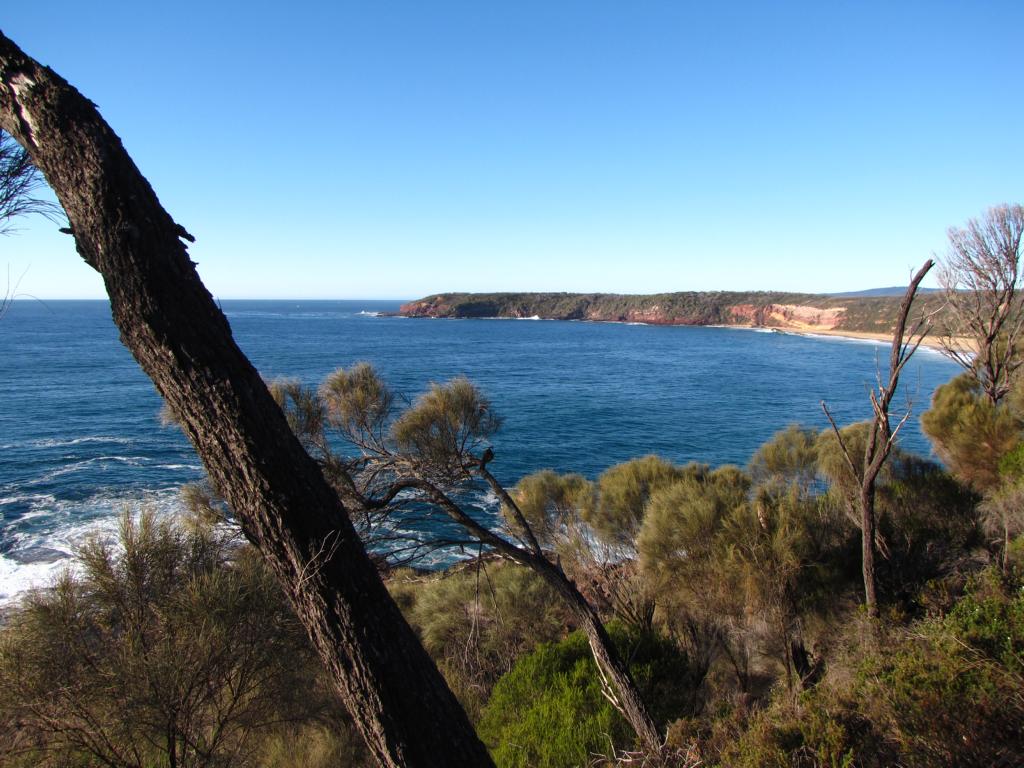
x=930, y=342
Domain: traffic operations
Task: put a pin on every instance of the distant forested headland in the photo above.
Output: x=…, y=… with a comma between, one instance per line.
x=795, y=311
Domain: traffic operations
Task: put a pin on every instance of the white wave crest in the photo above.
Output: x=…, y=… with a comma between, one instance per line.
x=66, y=442
x=40, y=542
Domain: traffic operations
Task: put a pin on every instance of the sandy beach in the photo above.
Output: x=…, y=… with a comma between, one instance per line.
x=931, y=342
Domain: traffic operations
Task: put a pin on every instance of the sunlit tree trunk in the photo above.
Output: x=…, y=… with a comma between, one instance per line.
x=399, y=701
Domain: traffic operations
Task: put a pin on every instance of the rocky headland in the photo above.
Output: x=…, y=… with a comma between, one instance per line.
x=803, y=313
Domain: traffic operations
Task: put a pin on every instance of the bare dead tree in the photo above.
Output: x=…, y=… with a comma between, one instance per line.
x=881, y=434
x=400, y=703
x=421, y=462
x=983, y=282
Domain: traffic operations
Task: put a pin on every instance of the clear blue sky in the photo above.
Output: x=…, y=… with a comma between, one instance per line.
x=400, y=148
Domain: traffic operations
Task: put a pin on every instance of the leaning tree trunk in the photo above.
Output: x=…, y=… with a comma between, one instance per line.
x=169, y=321
x=617, y=683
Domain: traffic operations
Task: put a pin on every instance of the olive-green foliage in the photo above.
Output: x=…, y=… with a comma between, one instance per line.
x=945, y=691
x=682, y=556
x=313, y=745
x=928, y=522
x=765, y=544
x=1002, y=511
x=553, y=506
x=476, y=620
x=755, y=564
x=444, y=425
x=677, y=539
x=548, y=711
x=790, y=457
x=926, y=519
x=303, y=410
x=1011, y=465
x=834, y=467
x=969, y=433
x=815, y=731
x=174, y=641
x=951, y=691
x=357, y=402
x=623, y=493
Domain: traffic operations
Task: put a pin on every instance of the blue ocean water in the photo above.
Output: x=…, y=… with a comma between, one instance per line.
x=80, y=437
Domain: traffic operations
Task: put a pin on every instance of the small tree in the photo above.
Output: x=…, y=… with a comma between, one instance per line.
x=680, y=553
x=423, y=460
x=624, y=491
x=477, y=619
x=983, y=282
x=789, y=458
x=970, y=433
x=882, y=435
x=1003, y=516
x=175, y=647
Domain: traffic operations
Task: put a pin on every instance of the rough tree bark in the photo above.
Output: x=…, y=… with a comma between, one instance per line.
x=169, y=321
x=881, y=434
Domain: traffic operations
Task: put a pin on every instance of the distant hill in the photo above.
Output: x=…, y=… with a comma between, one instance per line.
x=896, y=290
x=791, y=311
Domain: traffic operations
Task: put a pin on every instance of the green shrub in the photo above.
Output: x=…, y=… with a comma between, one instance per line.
x=928, y=521
x=477, y=620
x=174, y=645
x=990, y=619
x=942, y=704
x=970, y=434
x=313, y=745
x=807, y=734
x=945, y=691
x=549, y=712
x=623, y=493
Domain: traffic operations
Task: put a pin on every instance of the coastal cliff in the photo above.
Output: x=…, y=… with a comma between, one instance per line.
x=785, y=311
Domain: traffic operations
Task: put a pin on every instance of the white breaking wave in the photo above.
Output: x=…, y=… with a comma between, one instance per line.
x=751, y=328
x=18, y=578
x=41, y=542
x=78, y=466
x=66, y=442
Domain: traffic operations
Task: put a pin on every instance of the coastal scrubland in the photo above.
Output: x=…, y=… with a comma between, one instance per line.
x=732, y=593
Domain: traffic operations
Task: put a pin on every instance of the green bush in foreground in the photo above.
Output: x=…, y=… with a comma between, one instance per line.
x=549, y=712
x=476, y=620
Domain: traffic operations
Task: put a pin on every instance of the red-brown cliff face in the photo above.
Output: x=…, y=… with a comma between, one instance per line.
x=432, y=306
x=795, y=316
x=609, y=309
